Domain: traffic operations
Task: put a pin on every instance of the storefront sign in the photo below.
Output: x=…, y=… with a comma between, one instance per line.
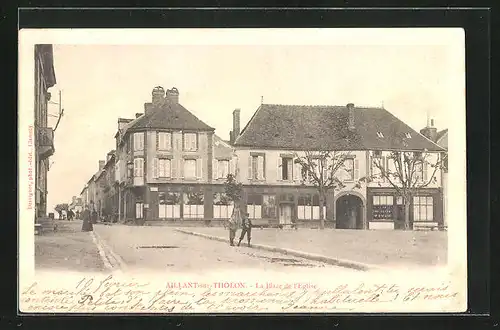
x=382, y=211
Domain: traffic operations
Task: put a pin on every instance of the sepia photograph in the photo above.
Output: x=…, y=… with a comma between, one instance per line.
x=242, y=170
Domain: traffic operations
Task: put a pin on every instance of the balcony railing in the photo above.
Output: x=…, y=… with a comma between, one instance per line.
x=45, y=142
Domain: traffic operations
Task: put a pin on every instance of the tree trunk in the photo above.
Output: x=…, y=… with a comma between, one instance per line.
x=407, y=214
x=321, y=213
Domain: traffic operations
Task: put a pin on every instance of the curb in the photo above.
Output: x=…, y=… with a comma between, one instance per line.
x=114, y=260
x=316, y=257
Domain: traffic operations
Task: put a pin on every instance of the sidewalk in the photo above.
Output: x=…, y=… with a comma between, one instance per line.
x=387, y=249
x=68, y=248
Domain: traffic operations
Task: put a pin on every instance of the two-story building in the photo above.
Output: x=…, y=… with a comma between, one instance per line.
x=44, y=141
x=171, y=165
x=76, y=204
x=107, y=181
x=275, y=193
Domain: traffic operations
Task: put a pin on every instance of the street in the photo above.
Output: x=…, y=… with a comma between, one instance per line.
x=158, y=249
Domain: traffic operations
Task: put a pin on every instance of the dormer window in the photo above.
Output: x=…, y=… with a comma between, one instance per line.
x=380, y=135
x=408, y=135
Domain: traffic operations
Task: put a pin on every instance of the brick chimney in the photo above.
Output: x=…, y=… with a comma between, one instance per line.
x=236, y=124
x=350, y=109
x=430, y=131
x=173, y=95
x=122, y=122
x=157, y=96
x=101, y=164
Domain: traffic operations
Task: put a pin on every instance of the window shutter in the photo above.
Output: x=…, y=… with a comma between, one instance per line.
x=155, y=168
x=175, y=169
x=199, y=168
x=181, y=168
x=136, y=165
x=424, y=171
x=356, y=169
x=261, y=168
x=215, y=173
x=289, y=165
x=296, y=171
x=250, y=177
x=279, y=169
x=232, y=166
x=158, y=140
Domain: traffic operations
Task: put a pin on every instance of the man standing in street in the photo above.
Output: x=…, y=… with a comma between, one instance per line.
x=246, y=228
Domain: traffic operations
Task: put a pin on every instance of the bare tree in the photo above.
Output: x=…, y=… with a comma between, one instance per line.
x=321, y=169
x=407, y=172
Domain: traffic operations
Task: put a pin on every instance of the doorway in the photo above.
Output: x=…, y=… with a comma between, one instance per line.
x=349, y=212
x=285, y=217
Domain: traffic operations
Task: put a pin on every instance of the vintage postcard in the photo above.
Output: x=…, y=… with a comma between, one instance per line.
x=242, y=170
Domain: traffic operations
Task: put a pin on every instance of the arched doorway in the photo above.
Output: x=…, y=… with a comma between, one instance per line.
x=349, y=212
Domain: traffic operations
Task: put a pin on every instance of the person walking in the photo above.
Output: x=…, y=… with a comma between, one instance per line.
x=233, y=225
x=87, y=221
x=94, y=216
x=70, y=215
x=246, y=228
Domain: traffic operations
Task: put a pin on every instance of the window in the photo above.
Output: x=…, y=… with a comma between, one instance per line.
x=139, y=208
x=308, y=207
x=377, y=165
x=222, y=169
x=269, y=206
x=223, y=206
x=408, y=135
x=169, y=205
x=254, y=206
x=256, y=167
x=164, y=168
x=423, y=208
x=285, y=168
x=190, y=168
x=138, y=167
x=164, y=141
x=194, y=205
x=138, y=141
x=380, y=135
x=190, y=141
x=348, y=167
x=383, y=207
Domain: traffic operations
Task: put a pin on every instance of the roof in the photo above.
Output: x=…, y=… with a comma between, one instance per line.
x=442, y=138
x=47, y=57
x=300, y=127
x=170, y=116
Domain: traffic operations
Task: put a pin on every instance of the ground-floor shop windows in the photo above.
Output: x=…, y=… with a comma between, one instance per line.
x=193, y=205
x=269, y=206
x=139, y=208
x=383, y=207
x=254, y=206
x=223, y=206
x=308, y=207
x=423, y=208
x=169, y=205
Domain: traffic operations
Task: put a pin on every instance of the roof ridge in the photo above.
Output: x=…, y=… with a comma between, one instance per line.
x=322, y=106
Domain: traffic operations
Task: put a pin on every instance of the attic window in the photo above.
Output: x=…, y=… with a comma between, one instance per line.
x=380, y=135
x=408, y=135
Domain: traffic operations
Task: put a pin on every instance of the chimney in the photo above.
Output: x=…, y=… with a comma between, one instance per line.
x=173, y=95
x=101, y=164
x=430, y=131
x=350, y=108
x=138, y=114
x=122, y=122
x=157, y=96
x=148, y=106
x=236, y=123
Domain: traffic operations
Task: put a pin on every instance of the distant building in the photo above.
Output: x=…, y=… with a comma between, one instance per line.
x=171, y=166
x=442, y=140
x=44, y=142
x=76, y=204
x=275, y=193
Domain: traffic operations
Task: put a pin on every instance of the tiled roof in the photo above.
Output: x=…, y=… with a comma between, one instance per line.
x=326, y=128
x=442, y=138
x=171, y=116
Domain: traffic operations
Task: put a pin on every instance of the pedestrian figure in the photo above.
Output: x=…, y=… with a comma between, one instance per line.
x=234, y=222
x=70, y=215
x=246, y=228
x=94, y=216
x=87, y=221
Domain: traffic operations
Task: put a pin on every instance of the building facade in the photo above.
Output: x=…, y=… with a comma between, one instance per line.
x=168, y=171
x=44, y=141
x=276, y=194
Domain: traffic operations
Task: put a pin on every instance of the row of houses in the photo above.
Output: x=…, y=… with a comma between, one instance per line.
x=168, y=166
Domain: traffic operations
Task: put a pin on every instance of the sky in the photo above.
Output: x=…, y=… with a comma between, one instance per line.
x=101, y=82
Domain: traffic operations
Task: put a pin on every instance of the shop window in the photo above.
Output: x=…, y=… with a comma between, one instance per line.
x=383, y=207
x=423, y=208
x=308, y=207
x=269, y=206
x=254, y=206
x=194, y=205
x=223, y=206
x=169, y=205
